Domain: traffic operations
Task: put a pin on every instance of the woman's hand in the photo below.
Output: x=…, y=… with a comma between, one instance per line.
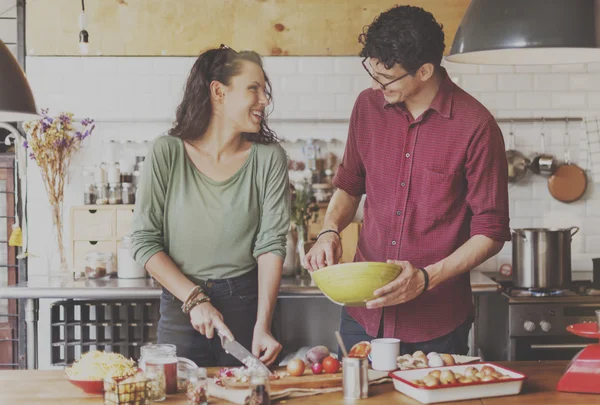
x=264, y=342
x=205, y=319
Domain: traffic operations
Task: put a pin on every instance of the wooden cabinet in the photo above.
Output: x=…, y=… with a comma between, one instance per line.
x=97, y=228
x=349, y=235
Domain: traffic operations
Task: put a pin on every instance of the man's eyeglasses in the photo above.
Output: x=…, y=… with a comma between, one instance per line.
x=383, y=86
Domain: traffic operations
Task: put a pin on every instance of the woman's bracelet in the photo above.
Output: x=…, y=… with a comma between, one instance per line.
x=191, y=297
x=195, y=303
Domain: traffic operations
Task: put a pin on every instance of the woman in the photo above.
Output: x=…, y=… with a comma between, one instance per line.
x=212, y=213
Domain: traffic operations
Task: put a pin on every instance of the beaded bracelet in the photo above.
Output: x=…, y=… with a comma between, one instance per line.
x=195, y=303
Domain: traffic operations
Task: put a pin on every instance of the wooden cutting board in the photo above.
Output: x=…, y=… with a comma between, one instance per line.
x=307, y=380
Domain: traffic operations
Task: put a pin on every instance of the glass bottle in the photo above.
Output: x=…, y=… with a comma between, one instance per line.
x=128, y=193
x=101, y=193
x=197, y=387
x=259, y=388
x=115, y=195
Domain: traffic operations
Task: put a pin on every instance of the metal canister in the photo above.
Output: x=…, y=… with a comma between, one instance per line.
x=355, y=377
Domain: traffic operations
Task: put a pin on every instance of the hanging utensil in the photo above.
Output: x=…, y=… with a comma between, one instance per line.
x=543, y=164
x=569, y=181
x=518, y=164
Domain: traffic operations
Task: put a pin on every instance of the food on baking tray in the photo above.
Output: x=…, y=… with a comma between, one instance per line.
x=420, y=360
x=97, y=365
x=360, y=350
x=471, y=374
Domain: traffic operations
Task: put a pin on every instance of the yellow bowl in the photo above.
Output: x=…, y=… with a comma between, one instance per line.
x=353, y=284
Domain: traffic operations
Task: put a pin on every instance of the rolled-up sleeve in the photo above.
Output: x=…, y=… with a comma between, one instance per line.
x=275, y=208
x=148, y=217
x=487, y=183
x=350, y=175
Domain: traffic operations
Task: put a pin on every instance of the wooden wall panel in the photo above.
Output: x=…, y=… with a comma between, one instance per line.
x=186, y=27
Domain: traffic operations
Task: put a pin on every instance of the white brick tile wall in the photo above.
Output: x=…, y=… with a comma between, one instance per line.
x=573, y=67
x=8, y=30
x=135, y=98
x=515, y=82
x=545, y=82
x=479, y=82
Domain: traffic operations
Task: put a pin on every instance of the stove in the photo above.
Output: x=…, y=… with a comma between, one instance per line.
x=530, y=324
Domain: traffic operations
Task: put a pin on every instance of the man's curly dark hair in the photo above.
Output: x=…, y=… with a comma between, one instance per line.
x=407, y=35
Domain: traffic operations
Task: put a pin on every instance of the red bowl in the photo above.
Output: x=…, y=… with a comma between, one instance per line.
x=89, y=386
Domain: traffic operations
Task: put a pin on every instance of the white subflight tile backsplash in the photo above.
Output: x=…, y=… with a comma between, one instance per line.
x=135, y=99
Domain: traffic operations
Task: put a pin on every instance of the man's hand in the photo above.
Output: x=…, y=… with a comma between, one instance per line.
x=264, y=342
x=327, y=251
x=407, y=286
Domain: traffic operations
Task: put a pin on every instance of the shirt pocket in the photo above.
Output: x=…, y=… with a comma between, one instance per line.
x=443, y=194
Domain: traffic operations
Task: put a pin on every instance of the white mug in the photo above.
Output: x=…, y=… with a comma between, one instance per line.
x=384, y=353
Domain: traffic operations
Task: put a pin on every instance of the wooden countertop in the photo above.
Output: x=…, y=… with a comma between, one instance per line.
x=51, y=388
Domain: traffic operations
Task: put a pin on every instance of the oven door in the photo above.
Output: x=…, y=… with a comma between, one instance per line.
x=547, y=347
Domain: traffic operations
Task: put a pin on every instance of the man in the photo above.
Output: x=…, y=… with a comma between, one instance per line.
x=430, y=159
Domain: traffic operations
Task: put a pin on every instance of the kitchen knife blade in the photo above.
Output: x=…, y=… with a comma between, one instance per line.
x=238, y=351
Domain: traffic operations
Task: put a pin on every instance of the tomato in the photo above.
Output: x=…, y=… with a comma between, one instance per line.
x=295, y=367
x=317, y=368
x=331, y=365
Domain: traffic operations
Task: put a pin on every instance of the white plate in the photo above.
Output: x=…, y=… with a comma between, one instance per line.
x=456, y=392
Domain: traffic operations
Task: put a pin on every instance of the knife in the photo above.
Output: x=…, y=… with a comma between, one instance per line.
x=238, y=351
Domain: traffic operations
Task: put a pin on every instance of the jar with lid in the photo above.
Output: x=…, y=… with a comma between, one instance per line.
x=99, y=264
x=101, y=193
x=115, y=195
x=89, y=194
x=128, y=193
x=197, y=385
x=128, y=267
x=114, y=172
x=164, y=356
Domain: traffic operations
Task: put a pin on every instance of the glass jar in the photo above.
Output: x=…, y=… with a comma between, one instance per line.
x=128, y=193
x=128, y=267
x=158, y=386
x=99, y=264
x=89, y=194
x=114, y=194
x=259, y=388
x=101, y=193
x=165, y=356
x=113, y=172
x=197, y=385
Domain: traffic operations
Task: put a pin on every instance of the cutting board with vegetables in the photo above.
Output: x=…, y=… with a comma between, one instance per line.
x=306, y=380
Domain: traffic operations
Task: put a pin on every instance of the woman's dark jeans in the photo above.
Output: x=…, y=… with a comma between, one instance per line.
x=237, y=300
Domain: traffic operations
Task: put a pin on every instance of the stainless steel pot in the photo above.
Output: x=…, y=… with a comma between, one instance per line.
x=542, y=257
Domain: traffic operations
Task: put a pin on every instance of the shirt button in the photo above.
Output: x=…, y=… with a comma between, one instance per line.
x=407, y=155
x=403, y=184
x=398, y=212
x=393, y=243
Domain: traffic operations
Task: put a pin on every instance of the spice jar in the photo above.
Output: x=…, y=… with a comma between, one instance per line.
x=128, y=193
x=158, y=386
x=101, y=193
x=115, y=194
x=196, y=387
x=98, y=264
x=259, y=388
x=89, y=194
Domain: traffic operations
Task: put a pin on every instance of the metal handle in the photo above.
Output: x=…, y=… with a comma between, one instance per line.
x=576, y=230
x=558, y=346
x=519, y=232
